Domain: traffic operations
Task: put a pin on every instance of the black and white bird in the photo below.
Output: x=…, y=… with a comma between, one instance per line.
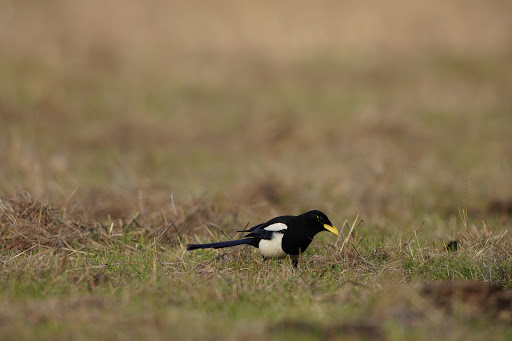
x=280, y=237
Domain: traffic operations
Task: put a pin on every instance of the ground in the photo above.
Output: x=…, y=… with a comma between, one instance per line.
x=129, y=129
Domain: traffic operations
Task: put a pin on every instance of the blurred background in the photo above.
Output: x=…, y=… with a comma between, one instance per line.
x=247, y=109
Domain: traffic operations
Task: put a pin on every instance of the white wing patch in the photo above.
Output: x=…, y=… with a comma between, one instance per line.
x=272, y=248
x=276, y=227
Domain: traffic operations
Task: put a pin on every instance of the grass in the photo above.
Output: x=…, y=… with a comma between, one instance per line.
x=128, y=132
x=120, y=283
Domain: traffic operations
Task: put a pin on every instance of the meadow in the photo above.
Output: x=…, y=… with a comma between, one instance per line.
x=129, y=129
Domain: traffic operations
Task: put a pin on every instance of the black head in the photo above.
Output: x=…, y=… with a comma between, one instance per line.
x=319, y=221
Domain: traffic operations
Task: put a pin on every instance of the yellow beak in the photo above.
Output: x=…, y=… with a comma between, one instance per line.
x=331, y=229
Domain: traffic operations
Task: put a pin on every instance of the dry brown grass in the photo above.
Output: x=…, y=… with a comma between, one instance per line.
x=26, y=223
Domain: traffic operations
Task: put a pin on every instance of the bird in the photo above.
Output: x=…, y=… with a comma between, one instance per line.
x=280, y=237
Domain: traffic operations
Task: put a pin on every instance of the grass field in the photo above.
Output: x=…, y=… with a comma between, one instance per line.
x=129, y=128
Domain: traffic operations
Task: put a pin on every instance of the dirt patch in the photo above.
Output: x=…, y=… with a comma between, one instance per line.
x=501, y=207
x=479, y=297
x=345, y=331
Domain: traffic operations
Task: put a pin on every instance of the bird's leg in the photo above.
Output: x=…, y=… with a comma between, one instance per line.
x=295, y=260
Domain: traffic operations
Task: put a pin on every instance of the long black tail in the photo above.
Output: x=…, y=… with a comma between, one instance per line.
x=220, y=245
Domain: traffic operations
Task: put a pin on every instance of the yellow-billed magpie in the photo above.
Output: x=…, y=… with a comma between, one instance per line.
x=280, y=237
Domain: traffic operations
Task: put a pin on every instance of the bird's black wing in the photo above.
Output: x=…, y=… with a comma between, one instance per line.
x=254, y=227
x=260, y=232
x=281, y=219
